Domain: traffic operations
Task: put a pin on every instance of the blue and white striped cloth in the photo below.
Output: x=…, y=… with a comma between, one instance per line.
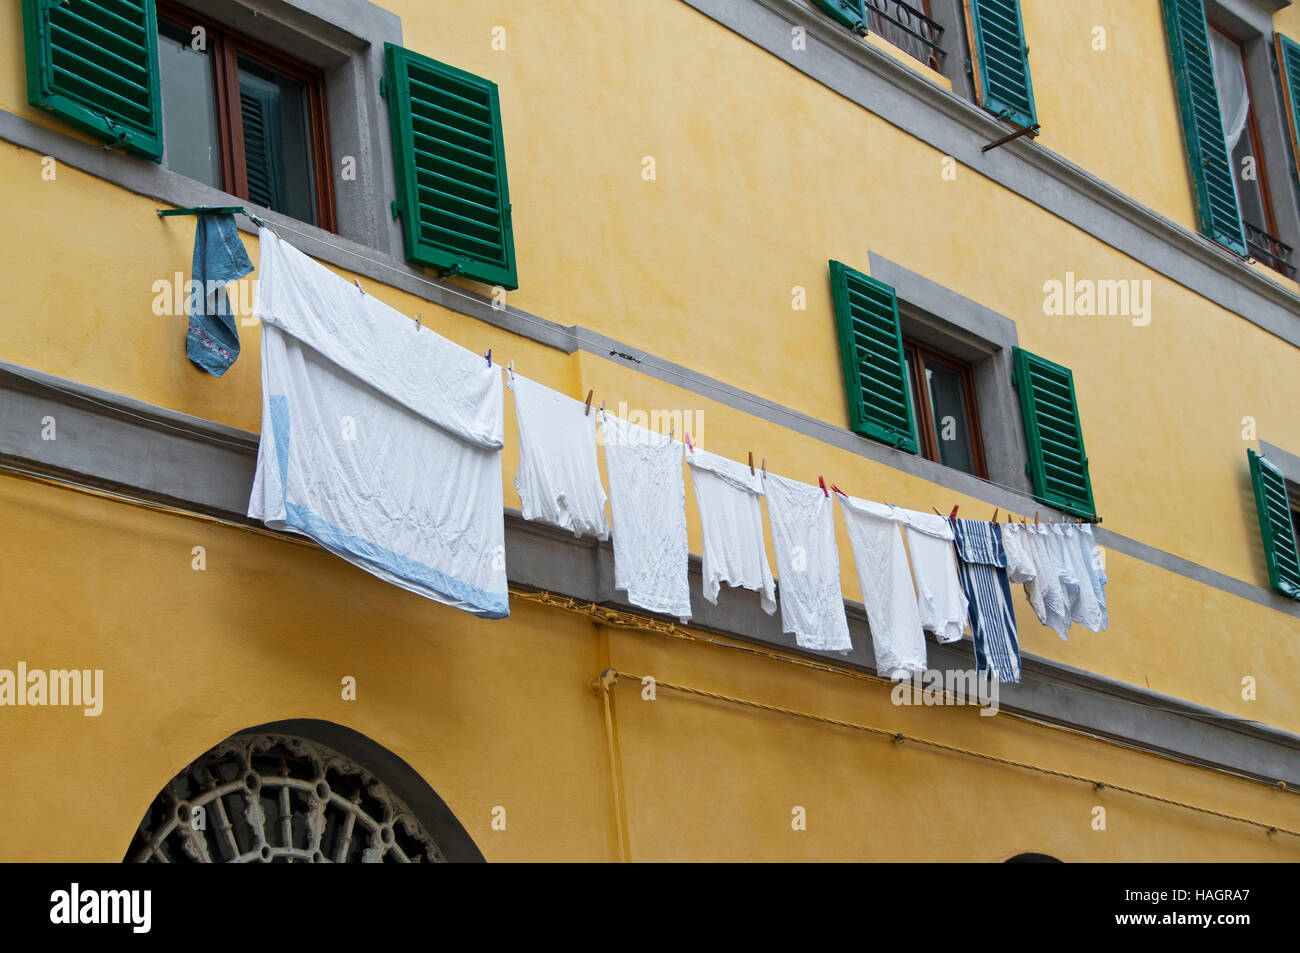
x=981, y=566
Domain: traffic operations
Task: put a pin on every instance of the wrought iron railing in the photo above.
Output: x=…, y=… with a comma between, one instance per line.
x=1269, y=249
x=908, y=29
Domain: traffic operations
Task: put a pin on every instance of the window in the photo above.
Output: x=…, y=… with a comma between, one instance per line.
x=449, y=152
x=1202, y=121
x=1058, y=462
x=96, y=69
x=1000, y=56
x=1277, y=524
x=909, y=27
x=948, y=430
x=243, y=117
x=1245, y=150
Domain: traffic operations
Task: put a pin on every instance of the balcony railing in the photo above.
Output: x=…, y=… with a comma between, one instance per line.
x=1269, y=249
x=908, y=29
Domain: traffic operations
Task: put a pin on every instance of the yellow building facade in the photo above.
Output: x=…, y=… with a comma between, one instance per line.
x=680, y=174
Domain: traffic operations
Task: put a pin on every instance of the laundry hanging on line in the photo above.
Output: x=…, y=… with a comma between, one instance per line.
x=379, y=441
x=729, y=497
x=981, y=565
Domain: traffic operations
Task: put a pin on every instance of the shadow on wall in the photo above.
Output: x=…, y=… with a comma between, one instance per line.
x=300, y=791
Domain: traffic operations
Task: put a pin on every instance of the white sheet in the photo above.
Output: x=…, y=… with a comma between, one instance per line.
x=939, y=595
x=558, y=479
x=380, y=442
x=648, y=510
x=729, y=498
x=807, y=565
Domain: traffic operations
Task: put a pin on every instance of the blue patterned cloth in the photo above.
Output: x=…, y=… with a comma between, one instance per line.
x=981, y=566
x=212, y=339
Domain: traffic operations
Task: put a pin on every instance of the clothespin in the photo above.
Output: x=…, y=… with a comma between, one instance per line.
x=765, y=467
x=357, y=282
x=936, y=510
x=995, y=515
x=689, y=444
x=488, y=355
x=838, y=490
x=602, y=406
x=953, y=514
x=1035, y=517
x=587, y=412
x=417, y=321
x=821, y=481
x=751, y=463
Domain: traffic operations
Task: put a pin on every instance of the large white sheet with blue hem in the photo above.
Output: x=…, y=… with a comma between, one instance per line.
x=379, y=441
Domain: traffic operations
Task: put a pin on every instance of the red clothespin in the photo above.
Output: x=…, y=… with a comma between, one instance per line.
x=838, y=490
x=689, y=444
x=953, y=514
x=587, y=412
x=821, y=481
x=751, y=463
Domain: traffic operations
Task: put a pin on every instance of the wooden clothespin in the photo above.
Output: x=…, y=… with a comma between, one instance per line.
x=587, y=412
x=821, y=481
x=995, y=515
x=765, y=466
x=936, y=510
x=1035, y=517
x=751, y=463
x=357, y=282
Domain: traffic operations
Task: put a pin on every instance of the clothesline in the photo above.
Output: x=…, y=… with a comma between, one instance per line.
x=455, y=292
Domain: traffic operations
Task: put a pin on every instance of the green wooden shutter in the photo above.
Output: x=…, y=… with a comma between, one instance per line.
x=997, y=36
x=1275, y=525
x=871, y=347
x=1198, y=99
x=848, y=12
x=1288, y=60
x=259, y=106
x=1058, y=462
x=451, y=168
x=95, y=65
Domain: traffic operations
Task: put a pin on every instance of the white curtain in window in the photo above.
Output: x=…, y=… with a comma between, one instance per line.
x=1230, y=79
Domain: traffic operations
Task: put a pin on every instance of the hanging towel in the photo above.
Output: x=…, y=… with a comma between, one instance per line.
x=731, y=518
x=934, y=568
x=887, y=593
x=807, y=564
x=1045, y=593
x=379, y=441
x=558, y=478
x=1086, y=608
x=1096, y=573
x=212, y=338
x=648, y=506
x=982, y=565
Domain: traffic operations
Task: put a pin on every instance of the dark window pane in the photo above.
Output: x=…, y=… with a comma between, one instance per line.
x=191, y=145
x=951, y=426
x=917, y=406
x=277, y=141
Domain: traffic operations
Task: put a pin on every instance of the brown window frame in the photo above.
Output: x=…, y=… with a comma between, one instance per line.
x=916, y=354
x=225, y=45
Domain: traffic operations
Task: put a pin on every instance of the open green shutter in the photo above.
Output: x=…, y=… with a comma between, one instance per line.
x=1198, y=99
x=1275, y=525
x=259, y=106
x=871, y=347
x=848, y=12
x=451, y=168
x=997, y=37
x=1288, y=61
x=95, y=64
x=1058, y=462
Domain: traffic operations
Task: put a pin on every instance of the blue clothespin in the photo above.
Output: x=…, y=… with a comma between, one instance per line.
x=488, y=355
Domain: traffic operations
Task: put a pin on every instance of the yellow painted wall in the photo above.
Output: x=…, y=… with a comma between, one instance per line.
x=494, y=714
x=762, y=176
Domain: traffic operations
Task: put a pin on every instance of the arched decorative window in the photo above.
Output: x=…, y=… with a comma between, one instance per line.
x=277, y=798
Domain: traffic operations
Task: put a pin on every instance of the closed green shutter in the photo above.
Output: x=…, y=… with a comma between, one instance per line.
x=1001, y=59
x=871, y=347
x=95, y=64
x=259, y=106
x=451, y=168
x=1198, y=99
x=848, y=12
x=1275, y=526
x=1288, y=59
x=1058, y=462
